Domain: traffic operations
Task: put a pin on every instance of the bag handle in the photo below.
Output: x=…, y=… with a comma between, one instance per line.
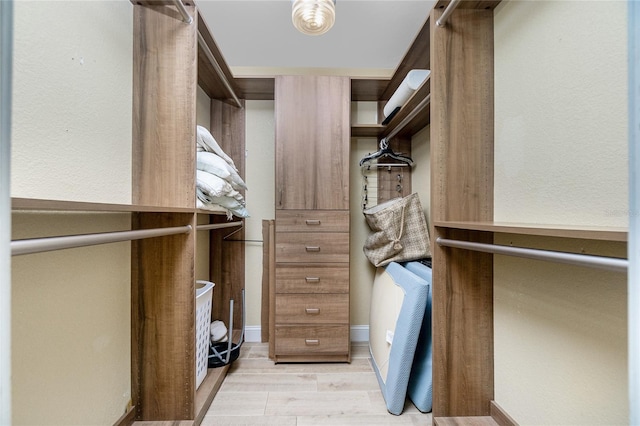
x=396, y=241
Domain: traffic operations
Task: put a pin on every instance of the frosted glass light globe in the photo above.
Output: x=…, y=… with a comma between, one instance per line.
x=313, y=17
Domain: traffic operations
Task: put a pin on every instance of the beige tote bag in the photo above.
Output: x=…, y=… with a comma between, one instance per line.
x=399, y=231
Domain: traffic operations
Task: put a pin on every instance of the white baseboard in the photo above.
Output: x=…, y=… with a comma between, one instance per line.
x=252, y=333
x=359, y=333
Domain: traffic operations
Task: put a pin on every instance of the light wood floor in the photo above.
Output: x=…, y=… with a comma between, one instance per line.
x=258, y=392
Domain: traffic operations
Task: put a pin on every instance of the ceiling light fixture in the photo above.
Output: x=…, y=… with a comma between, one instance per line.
x=313, y=17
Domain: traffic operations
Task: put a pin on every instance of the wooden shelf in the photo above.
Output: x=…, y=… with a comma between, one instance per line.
x=366, y=130
x=256, y=88
x=465, y=421
x=207, y=391
x=367, y=89
x=563, y=231
x=418, y=122
x=37, y=204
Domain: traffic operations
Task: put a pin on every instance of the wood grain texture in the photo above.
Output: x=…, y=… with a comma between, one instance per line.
x=312, y=142
x=163, y=320
x=37, y=204
x=307, y=247
x=323, y=278
x=602, y=233
x=462, y=190
x=416, y=57
x=208, y=78
x=462, y=117
x=164, y=102
x=418, y=122
x=366, y=89
x=312, y=309
x=470, y=4
x=394, y=182
x=228, y=254
x=293, y=340
x=272, y=288
x=312, y=220
x=268, y=276
x=207, y=391
x=501, y=417
x=463, y=328
x=367, y=130
x=256, y=88
x=464, y=421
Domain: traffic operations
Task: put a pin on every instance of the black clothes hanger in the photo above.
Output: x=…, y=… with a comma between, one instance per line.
x=385, y=151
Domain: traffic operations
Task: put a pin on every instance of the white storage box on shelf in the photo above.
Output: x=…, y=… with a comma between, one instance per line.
x=204, y=298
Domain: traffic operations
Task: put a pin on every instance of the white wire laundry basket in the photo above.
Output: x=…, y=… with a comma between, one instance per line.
x=204, y=301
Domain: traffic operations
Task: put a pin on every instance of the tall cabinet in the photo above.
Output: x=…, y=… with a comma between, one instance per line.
x=311, y=294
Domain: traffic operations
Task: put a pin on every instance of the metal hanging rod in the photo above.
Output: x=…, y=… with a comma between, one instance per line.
x=601, y=262
x=409, y=117
x=216, y=66
x=183, y=11
x=39, y=245
x=442, y=21
x=217, y=226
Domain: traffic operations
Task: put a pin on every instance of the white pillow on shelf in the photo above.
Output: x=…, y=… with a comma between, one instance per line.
x=212, y=163
x=211, y=184
x=206, y=142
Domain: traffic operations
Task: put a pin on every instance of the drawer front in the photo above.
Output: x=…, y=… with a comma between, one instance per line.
x=312, y=340
x=327, y=278
x=312, y=309
x=312, y=247
x=312, y=221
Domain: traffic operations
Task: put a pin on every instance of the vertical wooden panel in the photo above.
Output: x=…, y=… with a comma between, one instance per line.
x=163, y=320
x=462, y=189
x=164, y=102
x=396, y=181
x=463, y=327
x=462, y=116
x=312, y=138
x=163, y=158
x=268, y=276
x=228, y=254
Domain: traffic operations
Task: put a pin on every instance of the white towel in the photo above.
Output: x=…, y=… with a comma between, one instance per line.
x=218, y=331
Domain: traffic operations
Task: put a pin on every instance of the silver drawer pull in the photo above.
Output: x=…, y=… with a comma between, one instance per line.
x=312, y=279
x=312, y=311
x=312, y=248
x=311, y=342
x=312, y=222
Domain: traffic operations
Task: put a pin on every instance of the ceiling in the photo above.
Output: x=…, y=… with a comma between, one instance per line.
x=368, y=34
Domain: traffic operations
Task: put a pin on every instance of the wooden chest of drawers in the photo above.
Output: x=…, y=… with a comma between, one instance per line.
x=309, y=315
x=312, y=286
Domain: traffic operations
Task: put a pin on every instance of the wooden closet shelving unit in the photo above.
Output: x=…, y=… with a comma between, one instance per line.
x=461, y=119
x=462, y=146
x=168, y=66
x=600, y=233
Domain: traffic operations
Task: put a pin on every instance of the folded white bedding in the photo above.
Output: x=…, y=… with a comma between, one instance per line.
x=239, y=211
x=206, y=142
x=211, y=184
x=212, y=163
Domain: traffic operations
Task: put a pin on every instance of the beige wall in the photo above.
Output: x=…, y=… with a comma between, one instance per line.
x=70, y=324
x=561, y=158
x=71, y=140
x=72, y=96
x=260, y=179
